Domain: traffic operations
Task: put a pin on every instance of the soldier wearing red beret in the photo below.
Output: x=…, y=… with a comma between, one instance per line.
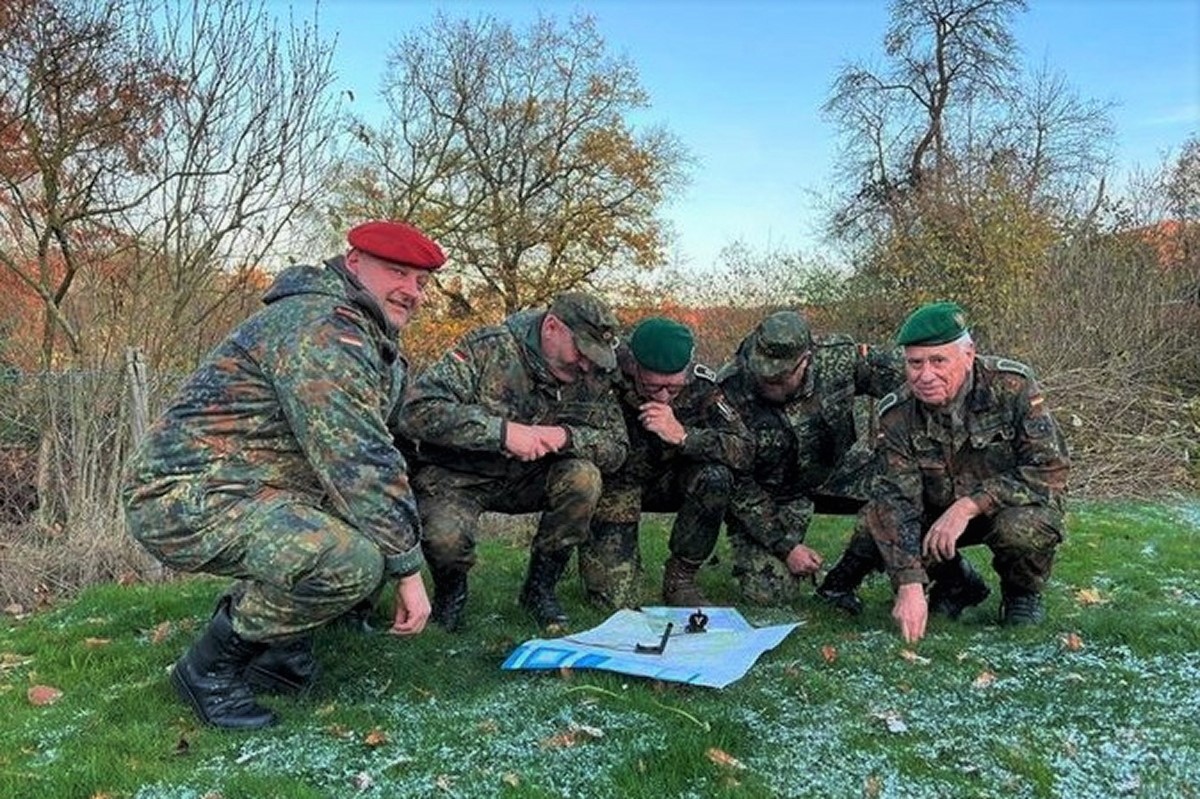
x=274, y=465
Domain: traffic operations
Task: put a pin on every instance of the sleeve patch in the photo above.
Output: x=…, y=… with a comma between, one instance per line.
x=888, y=402
x=704, y=373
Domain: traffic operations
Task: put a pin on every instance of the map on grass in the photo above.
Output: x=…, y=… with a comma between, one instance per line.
x=626, y=641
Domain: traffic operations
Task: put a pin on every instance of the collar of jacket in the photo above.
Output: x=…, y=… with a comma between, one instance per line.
x=357, y=294
x=527, y=329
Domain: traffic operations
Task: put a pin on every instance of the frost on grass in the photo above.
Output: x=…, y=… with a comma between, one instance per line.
x=1052, y=723
x=462, y=748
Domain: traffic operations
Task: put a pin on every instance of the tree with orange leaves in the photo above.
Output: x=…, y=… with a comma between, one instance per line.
x=149, y=154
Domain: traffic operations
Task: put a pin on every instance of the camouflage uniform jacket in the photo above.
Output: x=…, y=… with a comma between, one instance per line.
x=715, y=431
x=799, y=444
x=295, y=399
x=1001, y=447
x=456, y=410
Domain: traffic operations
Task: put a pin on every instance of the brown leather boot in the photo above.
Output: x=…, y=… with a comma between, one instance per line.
x=679, y=587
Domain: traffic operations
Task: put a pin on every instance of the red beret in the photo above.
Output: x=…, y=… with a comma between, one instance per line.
x=398, y=243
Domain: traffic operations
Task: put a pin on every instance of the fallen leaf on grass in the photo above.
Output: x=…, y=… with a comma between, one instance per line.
x=339, y=731
x=15, y=609
x=511, y=779
x=892, y=720
x=160, y=633
x=375, y=737
x=40, y=695
x=445, y=782
x=182, y=746
x=872, y=787
x=984, y=679
x=1072, y=642
x=11, y=660
x=128, y=578
x=362, y=781
x=1090, y=596
x=830, y=653
x=488, y=727
x=96, y=643
x=723, y=758
x=572, y=736
x=913, y=657
x=565, y=673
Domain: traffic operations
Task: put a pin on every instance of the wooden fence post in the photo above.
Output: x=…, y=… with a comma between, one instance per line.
x=139, y=420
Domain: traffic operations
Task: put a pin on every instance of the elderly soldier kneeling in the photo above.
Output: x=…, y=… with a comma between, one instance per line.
x=971, y=456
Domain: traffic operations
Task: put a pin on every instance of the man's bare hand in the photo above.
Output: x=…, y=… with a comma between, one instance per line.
x=911, y=611
x=803, y=561
x=529, y=442
x=412, y=606
x=941, y=542
x=658, y=418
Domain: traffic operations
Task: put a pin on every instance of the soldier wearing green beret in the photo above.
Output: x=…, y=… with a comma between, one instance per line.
x=518, y=417
x=798, y=395
x=686, y=442
x=970, y=455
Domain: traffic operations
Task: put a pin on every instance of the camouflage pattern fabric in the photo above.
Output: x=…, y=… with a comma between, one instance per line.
x=273, y=463
x=451, y=501
x=1001, y=447
x=693, y=480
x=452, y=424
x=811, y=449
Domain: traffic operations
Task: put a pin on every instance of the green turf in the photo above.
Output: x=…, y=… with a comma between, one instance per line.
x=1099, y=701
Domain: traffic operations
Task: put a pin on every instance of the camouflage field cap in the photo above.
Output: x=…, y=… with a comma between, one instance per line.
x=662, y=345
x=592, y=322
x=932, y=325
x=778, y=344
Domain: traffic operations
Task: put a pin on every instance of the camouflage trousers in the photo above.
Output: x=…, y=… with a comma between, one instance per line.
x=1022, y=539
x=564, y=490
x=302, y=566
x=760, y=569
x=610, y=563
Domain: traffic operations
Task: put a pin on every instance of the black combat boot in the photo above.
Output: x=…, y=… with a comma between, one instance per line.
x=449, y=598
x=956, y=587
x=285, y=668
x=211, y=677
x=1020, y=607
x=538, y=593
x=840, y=586
x=679, y=587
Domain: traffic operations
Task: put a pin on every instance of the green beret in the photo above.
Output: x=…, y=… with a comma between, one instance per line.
x=662, y=345
x=933, y=324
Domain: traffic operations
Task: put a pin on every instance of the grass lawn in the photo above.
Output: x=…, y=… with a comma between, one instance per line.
x=1100, y=701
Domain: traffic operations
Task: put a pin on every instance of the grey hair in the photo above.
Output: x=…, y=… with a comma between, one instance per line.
x=964, y=341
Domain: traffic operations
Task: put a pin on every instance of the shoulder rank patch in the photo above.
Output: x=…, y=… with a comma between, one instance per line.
x=1009, y=365
x=888, y=402
x=704, y=373
x=726, y=412
x=348, y=313
x=350, y=341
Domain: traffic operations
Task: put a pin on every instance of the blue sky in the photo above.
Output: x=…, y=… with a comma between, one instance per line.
x=742, y=83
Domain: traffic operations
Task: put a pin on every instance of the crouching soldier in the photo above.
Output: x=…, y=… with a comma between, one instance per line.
x=970, y=455
x=273, y=464
x=516, y=418
x=797, y=395
x=685, y=444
